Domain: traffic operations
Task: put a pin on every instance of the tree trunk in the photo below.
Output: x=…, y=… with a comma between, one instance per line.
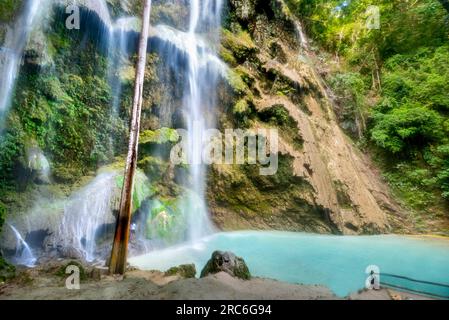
x=120, y=246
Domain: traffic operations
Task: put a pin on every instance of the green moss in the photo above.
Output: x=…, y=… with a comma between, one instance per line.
x=185, y=270
x=227, y=56
x=65, y=109
x=8, y=9
x=278, y=116
x=236, y=82
x=241, y=45
x=160, y=136
x=142, y=189
x=241, y=270
x=153, y=167
x=241, y=107
x=166, y=220
x=7, y=271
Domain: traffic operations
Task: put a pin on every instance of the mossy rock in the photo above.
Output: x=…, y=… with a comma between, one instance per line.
x=240, y=44
x=9, y=9
x=186, y=271
x=236, y=82
x=66, y=174
x=160, y=136
x=244, y=9
x=165, y=221
x=142, y=188
x=154, y=167
x=7, y=271
x=226, y=262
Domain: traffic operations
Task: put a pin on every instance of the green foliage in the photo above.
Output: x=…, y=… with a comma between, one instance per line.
x=65, y=109
x=414, y=184
x=422, y=76
x=392, y=83
x=412, y=116
x=8, y=9
x=7, y=271
x=408, y=127
x=239, y=44
x=278, y=116
x=160, y=136
x=166, y=221
x=236, y=82
x=142, y=189
x=186, y=271
x=351, y=89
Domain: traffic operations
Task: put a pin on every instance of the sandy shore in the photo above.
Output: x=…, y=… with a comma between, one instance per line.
x=33, y=284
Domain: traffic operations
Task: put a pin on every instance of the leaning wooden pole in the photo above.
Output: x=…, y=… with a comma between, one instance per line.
x=120, y=246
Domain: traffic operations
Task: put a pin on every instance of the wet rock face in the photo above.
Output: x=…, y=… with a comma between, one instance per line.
x=244, y=9
x=226, y=262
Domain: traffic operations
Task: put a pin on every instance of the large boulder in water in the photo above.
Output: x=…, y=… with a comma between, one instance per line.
x=226, y=262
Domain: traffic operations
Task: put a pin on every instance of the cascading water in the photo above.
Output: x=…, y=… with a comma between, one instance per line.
x=190, y=53
x=118, y=54
x=191, y=56
x=12, y=50
x=199, y=101
x=301, y=35
x=24, y=255
x=85, y=212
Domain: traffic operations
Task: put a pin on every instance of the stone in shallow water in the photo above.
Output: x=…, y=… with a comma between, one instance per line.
x=226, y=262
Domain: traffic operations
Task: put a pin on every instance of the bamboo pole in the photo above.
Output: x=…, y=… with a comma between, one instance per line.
x=120, y=246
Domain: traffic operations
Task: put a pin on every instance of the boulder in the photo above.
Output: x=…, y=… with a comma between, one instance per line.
x=226, y=262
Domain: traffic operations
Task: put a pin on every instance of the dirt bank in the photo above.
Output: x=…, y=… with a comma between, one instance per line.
x=49, y=284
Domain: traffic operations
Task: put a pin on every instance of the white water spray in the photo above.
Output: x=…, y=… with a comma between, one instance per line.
x=118, y=58
x=199, y=100
x=301, y=35
x=12, y=50
x=85, y=212
x=24, y=255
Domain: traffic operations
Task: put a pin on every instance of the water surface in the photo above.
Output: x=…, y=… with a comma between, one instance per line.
x=338, y=262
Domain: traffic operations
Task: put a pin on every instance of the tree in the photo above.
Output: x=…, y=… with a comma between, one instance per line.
x=120, y=246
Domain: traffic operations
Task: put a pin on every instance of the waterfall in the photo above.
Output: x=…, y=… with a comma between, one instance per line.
x=84, y=214
x=301, y=35
x=199, y=101
x=118, y=53
x=118, y=48
x=192, y=54
x=24, y=256
x=12, y=50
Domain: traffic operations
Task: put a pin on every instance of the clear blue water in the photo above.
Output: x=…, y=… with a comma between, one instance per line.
x=338, y=262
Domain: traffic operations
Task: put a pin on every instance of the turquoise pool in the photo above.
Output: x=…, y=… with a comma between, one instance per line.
x=338, y=262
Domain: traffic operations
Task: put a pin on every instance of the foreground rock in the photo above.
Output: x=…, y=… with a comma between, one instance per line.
x=226, y=262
